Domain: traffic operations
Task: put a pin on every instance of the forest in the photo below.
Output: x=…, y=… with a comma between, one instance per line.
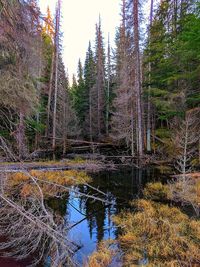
x=113, y=152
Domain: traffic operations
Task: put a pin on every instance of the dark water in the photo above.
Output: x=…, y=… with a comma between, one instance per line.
x=92, y=219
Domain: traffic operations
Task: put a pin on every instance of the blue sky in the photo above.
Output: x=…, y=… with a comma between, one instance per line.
x=78, y=25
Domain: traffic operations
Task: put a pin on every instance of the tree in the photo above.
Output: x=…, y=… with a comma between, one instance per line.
x=149, y=86
x=122, y=122
x=89, y=77
x=57, y=42
x=99, y=92
x=186, y=140
x=49, y=25
x=127, y=121
x=80, y=98
x=170, y=76
x=137, y=79
x=20, y=46
x=108, y=89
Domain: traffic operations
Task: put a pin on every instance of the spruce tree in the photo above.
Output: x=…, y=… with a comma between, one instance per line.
x=89, y=77
x=99, y=90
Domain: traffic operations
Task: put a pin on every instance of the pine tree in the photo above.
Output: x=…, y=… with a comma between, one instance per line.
x=99, y=93
x=79, y=96
x=49, y=25
x=89, y=77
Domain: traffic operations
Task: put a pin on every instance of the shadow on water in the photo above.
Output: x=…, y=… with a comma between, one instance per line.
x=91, y=220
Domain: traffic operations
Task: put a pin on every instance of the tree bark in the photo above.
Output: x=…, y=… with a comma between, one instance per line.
x=21, y=136
x=137, y=83
x=56, y=71
x=50, y=94
x=149, y=86
x=108, y=90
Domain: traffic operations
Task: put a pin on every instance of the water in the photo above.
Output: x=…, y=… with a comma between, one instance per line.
x=92, y=219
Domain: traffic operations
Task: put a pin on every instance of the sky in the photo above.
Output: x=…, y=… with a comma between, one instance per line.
x=78, y=26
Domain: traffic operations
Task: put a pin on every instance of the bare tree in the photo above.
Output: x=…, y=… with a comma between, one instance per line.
x=122, y=123
x=185, y=140
x=31, y=227
x=57, y=42
x=108, y=86
x=137, y=80
x=149, y=81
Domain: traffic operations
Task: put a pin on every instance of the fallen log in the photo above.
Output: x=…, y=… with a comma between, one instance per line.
x=82, y=141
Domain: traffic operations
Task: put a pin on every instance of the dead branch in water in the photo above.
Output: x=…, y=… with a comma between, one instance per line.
x=30, y=226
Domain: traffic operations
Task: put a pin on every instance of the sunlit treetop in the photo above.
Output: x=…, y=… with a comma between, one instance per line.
x=48, y=24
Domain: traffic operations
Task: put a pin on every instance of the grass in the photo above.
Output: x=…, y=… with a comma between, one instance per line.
x=103, y=257
x=156, y=191
x=26, y=187
x=160, y=234
x=75, y=161
x=163, y=234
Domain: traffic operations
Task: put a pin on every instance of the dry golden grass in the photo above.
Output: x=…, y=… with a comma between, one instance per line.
x=103, y=256
x=49, y=163
x=156, y=191
x=187, y=191
x=26, y=187
x=165, y=234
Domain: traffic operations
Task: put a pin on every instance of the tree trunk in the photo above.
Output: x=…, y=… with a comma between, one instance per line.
x=55, y=102
x=37, y=135
x=149, y=87
x=90, y=114
x=56, y=71
x=64, y=124
x=21, y=136
x=50, y=95
x=108, y=91
x=137, y=82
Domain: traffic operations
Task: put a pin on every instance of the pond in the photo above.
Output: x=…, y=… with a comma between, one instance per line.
x=91, y=220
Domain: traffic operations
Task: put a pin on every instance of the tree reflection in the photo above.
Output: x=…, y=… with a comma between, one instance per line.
x=32, y=229
x=35, y=227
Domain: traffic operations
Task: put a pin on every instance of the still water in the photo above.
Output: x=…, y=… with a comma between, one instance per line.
x=91, y=219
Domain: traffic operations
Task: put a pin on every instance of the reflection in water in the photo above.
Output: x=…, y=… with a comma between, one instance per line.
x=29, y=229
x=34, y=224
x=91, y=219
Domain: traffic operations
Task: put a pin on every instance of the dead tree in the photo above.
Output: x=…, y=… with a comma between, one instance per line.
x=108, y=87
x=29, y=225
x=137, y=80
x=149, y=86
x=122, y=122
x=185, y=140
x=57, y=42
